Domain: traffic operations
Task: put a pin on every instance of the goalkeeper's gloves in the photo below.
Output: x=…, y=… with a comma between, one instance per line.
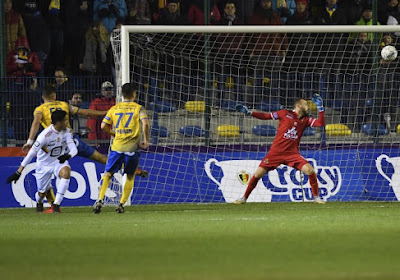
x=64, y=158
x=316, y=98
x=14, y=177
x=242, y=109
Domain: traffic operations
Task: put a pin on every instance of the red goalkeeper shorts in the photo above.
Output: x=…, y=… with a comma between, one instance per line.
x=272, y=160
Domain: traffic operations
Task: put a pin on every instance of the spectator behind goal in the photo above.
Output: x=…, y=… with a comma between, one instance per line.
x=103, y=103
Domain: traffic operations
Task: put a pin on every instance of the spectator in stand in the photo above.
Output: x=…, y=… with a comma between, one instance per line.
x=358, y=55
x=176, y=44
x=78, y=17
x=196, y=12
x=394, y=17
x=65, y=87
x=23, y=66
x=387, y=40
x=353, y=9
x=94, y=59
x=52, y=11
x=387, y=8
x=172, y=15
x=332, y=44
x=358, y=59
x=284, y=8
x=301, y=45
x=366, y=19
x=228, y=47
x=247, y=8
x=331, y=14
x=138, y=12
x=78, y=122
x=229, y=17
x=103, y=103
x=15, y=27
x=388, y=66
x=301, y=16
x=386, y=96
x=37, y=31
x=266, y=50
x=109, y=11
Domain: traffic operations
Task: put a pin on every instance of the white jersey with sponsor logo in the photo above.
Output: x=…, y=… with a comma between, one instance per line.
x=49, y=145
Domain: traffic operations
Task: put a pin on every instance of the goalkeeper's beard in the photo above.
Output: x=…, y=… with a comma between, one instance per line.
x=304, y=113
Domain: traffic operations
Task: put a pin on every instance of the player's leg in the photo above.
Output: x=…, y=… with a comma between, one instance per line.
x=50, y=198
x=113, y=164
x=269, y=162
x=87, y=151
x=260, y=172
x=99, y=157
x=63, y=171
x=131, y=162
x=39, y=201
x=43, y=176
x=312, y=177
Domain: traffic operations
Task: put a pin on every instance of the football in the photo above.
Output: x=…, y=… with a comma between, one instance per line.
x=389, y=53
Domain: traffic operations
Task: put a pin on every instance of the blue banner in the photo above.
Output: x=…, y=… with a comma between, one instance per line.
x=201, y=177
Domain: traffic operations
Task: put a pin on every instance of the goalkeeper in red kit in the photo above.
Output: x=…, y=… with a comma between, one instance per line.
x=285, y=147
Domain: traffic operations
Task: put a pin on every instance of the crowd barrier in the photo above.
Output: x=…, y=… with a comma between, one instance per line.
x=186, y=176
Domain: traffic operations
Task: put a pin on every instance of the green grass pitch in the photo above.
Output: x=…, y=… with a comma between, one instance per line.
x=204, y=241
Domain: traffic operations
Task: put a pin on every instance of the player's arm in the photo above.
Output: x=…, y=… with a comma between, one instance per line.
x=39, y=144
x=107, y=129
x=145, y=128
x=86, y=112
x=32, y=133
x=321, y=115
x=259, y=115
x=106, y=124
x=73, y=151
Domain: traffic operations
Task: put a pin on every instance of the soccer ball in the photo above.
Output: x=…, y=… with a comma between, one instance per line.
x=389, y=53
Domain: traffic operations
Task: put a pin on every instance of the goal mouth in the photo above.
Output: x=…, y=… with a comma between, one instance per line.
x=192, y=77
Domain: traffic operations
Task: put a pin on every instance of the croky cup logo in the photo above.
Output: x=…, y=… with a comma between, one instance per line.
x=285, y=182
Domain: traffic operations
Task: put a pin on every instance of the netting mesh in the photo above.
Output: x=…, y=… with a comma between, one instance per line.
x=191, y=83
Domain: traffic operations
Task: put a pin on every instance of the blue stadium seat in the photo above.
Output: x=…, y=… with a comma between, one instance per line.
x=310, y=131
x=369, y=129
x=163, y=107
x=192, y=131
x=160, y=131
x=264, y=130
x=269, y=106
x=229, y=105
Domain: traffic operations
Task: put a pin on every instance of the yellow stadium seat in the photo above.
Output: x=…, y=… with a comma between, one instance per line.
x=337, y=129
x=398, y=128
x=228, y=131
x=230, y=83
x=311, y=106
x=195, y=106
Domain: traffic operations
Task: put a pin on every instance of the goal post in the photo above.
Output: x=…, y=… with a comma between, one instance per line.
x=354, y=155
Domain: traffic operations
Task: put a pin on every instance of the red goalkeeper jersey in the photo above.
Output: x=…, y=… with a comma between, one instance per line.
x=290, y=129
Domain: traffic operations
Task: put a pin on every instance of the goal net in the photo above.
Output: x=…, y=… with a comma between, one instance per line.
x=191, y=78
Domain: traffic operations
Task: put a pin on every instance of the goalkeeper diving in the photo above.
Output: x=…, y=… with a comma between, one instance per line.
x=285, y=147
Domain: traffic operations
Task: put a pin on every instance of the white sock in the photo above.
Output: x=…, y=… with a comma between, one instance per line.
x=38, y=198
x=61, y=189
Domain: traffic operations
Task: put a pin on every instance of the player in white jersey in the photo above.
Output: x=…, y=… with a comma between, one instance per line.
x=50, y=148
